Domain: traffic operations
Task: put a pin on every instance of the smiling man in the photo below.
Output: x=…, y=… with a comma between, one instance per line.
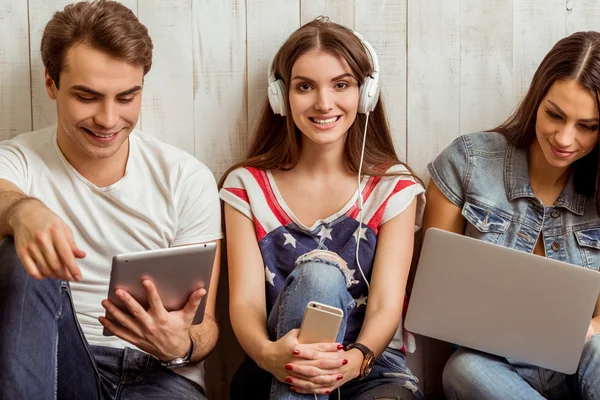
x=74, y=195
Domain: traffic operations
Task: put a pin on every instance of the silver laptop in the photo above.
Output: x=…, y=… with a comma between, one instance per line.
x=502, y=301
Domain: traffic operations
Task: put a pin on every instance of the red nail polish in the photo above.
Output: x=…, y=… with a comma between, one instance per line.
x=328, y=392
x=296, y=352
x=344, y=362
x=288, y=367
x=288, y=380
x=293, y=389
x=340, y=377
x=340, y=347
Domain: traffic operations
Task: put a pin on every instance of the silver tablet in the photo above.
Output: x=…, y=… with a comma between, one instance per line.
x=176, y=272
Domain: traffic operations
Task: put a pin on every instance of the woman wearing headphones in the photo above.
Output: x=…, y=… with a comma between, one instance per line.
x=309, y=217
x=530, y=184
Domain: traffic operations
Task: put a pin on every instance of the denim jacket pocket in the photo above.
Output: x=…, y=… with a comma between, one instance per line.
x=484, y=223
x=588, y=241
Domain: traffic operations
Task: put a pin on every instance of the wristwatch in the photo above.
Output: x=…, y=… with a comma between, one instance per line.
x=180, y=361
x=368, y=360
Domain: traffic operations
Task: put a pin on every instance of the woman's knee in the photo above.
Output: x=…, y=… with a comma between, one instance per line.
x=457, y=377
x=321, y=274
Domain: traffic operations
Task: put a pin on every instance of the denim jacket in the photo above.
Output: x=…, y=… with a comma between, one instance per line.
x=487, y=177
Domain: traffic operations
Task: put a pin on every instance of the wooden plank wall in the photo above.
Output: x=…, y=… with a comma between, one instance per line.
x=447, y=67
x=451, y=66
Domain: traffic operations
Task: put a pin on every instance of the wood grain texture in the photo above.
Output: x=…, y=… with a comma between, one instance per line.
x=433, y=79
x=265, y=35
x=340, y=11
x=383, y=25
x=221, y=132
x=15, y=98
x=486, y=64
x=582, y=15
x=538, y=25
x=220, y=82
x=168, y=95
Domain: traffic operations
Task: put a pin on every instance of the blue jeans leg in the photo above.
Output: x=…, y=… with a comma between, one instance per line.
x=38, y=332
x=129, y=374
x=470, y=374
x=44, y=354
x=390, y=378
x=589, y=369
x=313, y=279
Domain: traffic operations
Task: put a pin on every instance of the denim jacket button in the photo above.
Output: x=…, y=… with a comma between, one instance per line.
x=555, y=246
x=555, y=214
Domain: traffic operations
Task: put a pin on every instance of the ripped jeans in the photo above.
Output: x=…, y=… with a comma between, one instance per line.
x=322, y=276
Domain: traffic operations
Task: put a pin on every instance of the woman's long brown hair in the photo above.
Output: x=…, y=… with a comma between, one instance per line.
x=276, y=141
x=576, y=57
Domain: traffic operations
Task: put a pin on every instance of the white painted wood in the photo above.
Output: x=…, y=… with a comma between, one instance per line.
x=220, y=91
x=340, y=11
x=265, y=35
x=15, y=99
x=486, y=65
x=582, y=15
x=383, y=25
x=168, y=95
x=433, y=79
x=40, y=12
x=538, y=25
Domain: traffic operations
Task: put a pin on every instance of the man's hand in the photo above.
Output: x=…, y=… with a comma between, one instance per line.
x=157, y=331
x=43, y=241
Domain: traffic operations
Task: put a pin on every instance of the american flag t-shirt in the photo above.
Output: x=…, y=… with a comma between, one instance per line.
x=282, y=238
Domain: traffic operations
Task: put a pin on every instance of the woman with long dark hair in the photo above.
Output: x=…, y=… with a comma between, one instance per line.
x=530, y=184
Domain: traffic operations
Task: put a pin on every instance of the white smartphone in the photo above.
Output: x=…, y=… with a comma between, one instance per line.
x=320, y=324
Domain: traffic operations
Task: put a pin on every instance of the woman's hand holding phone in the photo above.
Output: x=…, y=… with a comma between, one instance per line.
x=316, y=371
x=309, y=368
x=318, y=365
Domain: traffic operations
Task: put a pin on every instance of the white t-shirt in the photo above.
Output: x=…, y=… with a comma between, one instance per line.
x=166, y=198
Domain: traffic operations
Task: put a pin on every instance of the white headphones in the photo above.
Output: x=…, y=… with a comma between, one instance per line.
x=368, y=95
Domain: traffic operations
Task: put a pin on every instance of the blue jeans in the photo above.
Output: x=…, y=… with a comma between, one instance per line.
x=322, y=280
x=44, y=354
x=471, y=374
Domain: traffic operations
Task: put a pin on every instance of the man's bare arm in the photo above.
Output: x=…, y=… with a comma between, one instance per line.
x=43, y=241
x=205, y=335
x=10, y=196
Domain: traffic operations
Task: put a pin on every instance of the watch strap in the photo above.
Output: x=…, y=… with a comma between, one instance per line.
x=363, y=349
x=180, y=361
x=368, y=358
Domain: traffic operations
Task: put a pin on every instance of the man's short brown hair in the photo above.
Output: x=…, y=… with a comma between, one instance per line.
x=104, y=25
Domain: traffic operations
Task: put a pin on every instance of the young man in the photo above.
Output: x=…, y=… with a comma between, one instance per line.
x=74, y=195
